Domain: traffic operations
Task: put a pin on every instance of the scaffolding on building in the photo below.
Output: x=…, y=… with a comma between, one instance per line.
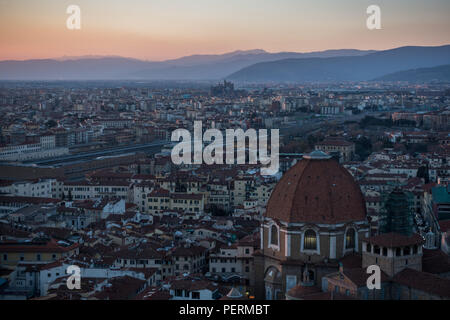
x=397, y=213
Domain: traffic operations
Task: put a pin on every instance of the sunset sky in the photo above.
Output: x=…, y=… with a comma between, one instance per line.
x=164, y=29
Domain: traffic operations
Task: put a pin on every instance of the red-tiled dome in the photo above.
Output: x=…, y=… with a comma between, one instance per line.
x=317, y=190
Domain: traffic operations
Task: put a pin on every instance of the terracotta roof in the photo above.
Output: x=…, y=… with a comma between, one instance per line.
x=193, y=285
x=142, y=252
x=38, y=266
x=444, y=225
x=327, y=296
x=317, y=191
x=50, y=246
x=121, y=288
x=300, y=291
x=424, y=281
x=435, y=261
x=153, y=293
x=353, y=260
x=359, y=276
x=188, y=252
x=186, y=196
x=7, y=230
x=160, y=193
x=33, y=200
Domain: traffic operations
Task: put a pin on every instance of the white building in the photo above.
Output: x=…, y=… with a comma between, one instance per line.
x=83, y=190
x=32, y=151
x=42, y=188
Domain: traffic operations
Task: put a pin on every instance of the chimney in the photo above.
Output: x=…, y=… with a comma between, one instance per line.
x=341, y=267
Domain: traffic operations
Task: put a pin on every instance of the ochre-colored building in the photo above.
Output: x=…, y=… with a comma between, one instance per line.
x=12, y=253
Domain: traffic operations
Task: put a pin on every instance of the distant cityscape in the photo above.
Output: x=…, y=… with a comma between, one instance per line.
x=87, y=180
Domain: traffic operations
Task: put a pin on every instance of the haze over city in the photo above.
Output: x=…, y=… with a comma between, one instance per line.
x=160, y=29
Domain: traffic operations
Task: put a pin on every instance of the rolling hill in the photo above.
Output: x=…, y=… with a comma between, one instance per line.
x=356, y=68
x=438, y=74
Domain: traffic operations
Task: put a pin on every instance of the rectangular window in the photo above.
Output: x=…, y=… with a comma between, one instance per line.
x=196, y=295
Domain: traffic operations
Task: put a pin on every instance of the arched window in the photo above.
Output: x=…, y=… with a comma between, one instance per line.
x=350, y=239
x=310, y=240
x=274, y=235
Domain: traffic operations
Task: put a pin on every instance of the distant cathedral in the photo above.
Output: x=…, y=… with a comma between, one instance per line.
x=224, y=89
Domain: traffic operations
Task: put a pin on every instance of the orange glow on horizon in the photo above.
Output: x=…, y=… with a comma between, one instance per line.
x=160, y=29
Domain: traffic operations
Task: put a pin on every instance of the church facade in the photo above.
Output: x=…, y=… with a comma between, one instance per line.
x=315, y=217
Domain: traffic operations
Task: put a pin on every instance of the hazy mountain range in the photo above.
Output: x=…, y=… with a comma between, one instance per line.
x=252, y=65
x=439, y=74
x=195, y=67
x=357, y=68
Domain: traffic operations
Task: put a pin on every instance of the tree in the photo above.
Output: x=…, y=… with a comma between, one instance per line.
x=363, y=147
x=217, y=211
x=417, y=148
x=423, y=172
x=387, y=144
x=312, y=140
x=372, y=121
x=51, y=124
